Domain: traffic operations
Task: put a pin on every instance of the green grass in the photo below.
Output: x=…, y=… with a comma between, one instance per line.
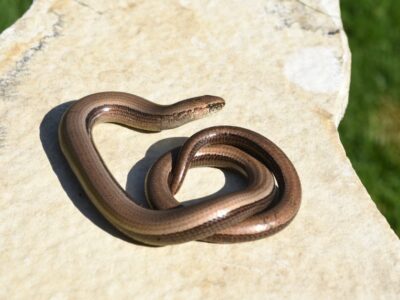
x=370, y=130
x=11, y=10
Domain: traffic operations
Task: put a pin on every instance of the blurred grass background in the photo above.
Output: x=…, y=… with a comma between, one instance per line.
x=10, y=10
x=370, y=130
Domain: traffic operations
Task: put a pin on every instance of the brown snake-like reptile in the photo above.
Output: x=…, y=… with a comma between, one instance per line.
x=267, y=204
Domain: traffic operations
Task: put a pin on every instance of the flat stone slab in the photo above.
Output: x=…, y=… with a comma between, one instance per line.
x=283, y=68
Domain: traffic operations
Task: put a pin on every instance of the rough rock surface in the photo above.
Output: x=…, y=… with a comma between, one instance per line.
x=283, y=67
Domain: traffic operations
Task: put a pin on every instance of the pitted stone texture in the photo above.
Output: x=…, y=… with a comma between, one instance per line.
x=282, y=66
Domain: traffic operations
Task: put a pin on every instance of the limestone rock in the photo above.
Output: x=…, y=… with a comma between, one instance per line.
x=283, y=67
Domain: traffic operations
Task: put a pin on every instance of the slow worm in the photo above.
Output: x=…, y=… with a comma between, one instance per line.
x=267, y=204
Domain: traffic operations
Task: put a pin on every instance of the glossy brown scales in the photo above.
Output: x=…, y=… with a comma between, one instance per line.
x=239, y=216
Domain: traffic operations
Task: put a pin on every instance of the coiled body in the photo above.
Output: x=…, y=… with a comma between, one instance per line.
x=239, y=216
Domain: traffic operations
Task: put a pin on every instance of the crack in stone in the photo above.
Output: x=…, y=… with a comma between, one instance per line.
x=315, y=9
x=10, y=80
x=290, y=12
x=2, y=136
x=333, y=32
x=81, y=3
